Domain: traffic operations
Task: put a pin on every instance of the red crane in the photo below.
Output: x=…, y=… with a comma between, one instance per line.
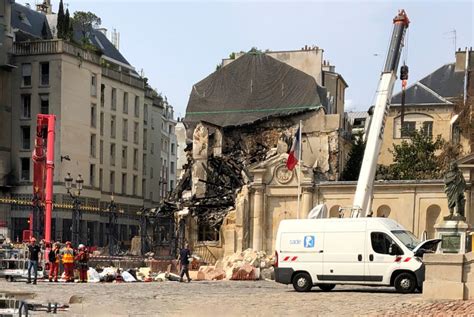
x=43, y=171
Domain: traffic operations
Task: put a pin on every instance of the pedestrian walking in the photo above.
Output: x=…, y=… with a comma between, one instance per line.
x=82, y=259
x=184, y=256
x=67, y=257
x=33, y=258
x=54, y=257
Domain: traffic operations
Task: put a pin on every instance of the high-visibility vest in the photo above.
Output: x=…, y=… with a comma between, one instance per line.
x=67, y=255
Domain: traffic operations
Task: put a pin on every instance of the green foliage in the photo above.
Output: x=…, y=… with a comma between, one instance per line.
x=354, y=162
x=218, y=66
x=61, y=25
x=68, y=29
x=232, y=55
x=414, y=159
x=86, y=21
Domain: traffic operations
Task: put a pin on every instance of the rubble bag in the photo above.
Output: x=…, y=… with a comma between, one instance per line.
x=127, y=277
x=93, y=276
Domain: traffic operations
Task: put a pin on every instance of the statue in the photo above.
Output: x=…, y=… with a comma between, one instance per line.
x=454, y=185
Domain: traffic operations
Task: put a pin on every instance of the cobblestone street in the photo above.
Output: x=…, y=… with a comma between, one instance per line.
x=229, y=298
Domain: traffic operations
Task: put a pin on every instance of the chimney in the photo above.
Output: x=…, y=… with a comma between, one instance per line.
x=460, y=60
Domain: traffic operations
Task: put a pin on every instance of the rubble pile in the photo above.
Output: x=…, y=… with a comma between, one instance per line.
x=246, y=265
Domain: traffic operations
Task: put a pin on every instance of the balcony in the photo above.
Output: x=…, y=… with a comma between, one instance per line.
x=122, y=77
x=54, y=47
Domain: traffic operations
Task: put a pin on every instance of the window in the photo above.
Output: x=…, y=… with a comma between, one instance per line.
x=101, y=152
x=25, y=138
x=172, y=167
x=151, y=196
x=113, y=127
x=25, y=106
x=25, y=169
x=112, y=182
x=144, y=164
x=135, y=132
x=93, y=147
x=143, y=187
x=408, y=128
x=124, y=183
x=145, y=139
x=102, y=95
x=93, y=115
x=145, y=114
x=101, y=123
x=428, y=128
x=152, y=147
x=101, y=178
x=136, y=109
x=113, y=105
x=44, y=74
x=382, y=243
x=44, y=103
x=456, y=134
x=125, y=102
x=171, y=185
x=112, y=154
x=151, y=172
x=125, y=129
x=172, y=148
x=92, y=175
x=26, y=75
x=124, y=156
x=134, y=185
x=207, y=233
x=170, y=129
x=135, y=159
x=94, y=85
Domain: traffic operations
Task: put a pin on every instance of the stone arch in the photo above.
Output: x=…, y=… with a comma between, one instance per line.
x=384, y=211
x=432, y=214
x=334, y=211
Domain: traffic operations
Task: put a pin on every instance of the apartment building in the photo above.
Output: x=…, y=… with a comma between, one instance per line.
x=104, y=129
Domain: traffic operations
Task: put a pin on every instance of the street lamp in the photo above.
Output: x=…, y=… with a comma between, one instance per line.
x=77, y=213
x=112, y=232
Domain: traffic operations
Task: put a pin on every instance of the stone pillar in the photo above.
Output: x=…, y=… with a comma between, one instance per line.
x=258, y=223
x=200, y=151
x=217, y=147
x=306, y=201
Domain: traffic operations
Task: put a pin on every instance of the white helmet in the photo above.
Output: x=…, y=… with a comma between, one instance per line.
x=81, y=246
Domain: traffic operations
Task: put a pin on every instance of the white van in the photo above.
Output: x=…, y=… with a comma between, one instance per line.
x=365, y=251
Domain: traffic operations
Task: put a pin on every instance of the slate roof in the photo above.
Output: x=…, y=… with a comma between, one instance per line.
x=251, y=88
x=101, y=41
x=30, y=23
x=439, y=87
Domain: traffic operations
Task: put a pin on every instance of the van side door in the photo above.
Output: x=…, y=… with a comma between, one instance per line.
x=383, y=255
x=344, y=257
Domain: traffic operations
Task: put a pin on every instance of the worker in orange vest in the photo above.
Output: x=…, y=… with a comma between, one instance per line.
x=53, y=257
x=82, y=258
x=67, y=257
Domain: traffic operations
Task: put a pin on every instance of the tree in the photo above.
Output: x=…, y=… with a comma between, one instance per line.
x=354, y=162
x=68, y=30
x=61, y=26
x=86, y=21
x=416, y=158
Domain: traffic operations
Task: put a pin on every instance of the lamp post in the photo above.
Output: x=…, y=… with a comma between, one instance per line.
x=143, y=230
x=76, y=213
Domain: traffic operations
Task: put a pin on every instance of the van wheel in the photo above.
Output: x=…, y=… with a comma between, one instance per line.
x=302, y=282
x=326, y=287
x=405, y=283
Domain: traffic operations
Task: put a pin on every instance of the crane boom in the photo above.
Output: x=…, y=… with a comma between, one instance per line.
x=364, y=191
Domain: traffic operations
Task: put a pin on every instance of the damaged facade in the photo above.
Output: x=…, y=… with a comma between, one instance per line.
x=241, y=120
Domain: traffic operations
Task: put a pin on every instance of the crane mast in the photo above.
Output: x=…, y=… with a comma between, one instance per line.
x=363, y=196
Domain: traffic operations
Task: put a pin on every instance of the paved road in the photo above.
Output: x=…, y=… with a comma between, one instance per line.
x=226, y=298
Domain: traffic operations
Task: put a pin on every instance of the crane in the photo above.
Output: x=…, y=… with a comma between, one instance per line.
x=363, y=196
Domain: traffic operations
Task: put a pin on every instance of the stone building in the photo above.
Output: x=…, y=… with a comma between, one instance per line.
x=434, y=104
x=105, y=117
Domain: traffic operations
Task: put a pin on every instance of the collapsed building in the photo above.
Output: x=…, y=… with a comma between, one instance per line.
x=241, y=120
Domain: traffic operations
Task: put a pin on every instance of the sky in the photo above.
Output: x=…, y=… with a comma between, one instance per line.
x=178, y=43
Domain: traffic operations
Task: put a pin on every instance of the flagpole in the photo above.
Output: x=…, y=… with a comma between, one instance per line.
x=299, y=172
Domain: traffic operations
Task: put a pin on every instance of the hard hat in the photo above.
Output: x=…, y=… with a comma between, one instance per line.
x=33, y=239
x=81, y=246
x=68, y=242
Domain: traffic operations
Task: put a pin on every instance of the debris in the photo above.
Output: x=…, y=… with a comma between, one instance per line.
x=127, y=277
x=76, y=299
x=93, y=276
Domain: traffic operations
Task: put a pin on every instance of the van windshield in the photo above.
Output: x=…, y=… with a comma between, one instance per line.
x=407, y=238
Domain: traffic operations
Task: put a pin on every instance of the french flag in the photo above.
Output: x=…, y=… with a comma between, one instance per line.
x=294, y=151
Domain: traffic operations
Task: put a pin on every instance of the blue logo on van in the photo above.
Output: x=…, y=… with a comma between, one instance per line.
x=309, y=241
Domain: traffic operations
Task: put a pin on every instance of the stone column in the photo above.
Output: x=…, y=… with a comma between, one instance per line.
x=306, y=201
x=258, y=225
